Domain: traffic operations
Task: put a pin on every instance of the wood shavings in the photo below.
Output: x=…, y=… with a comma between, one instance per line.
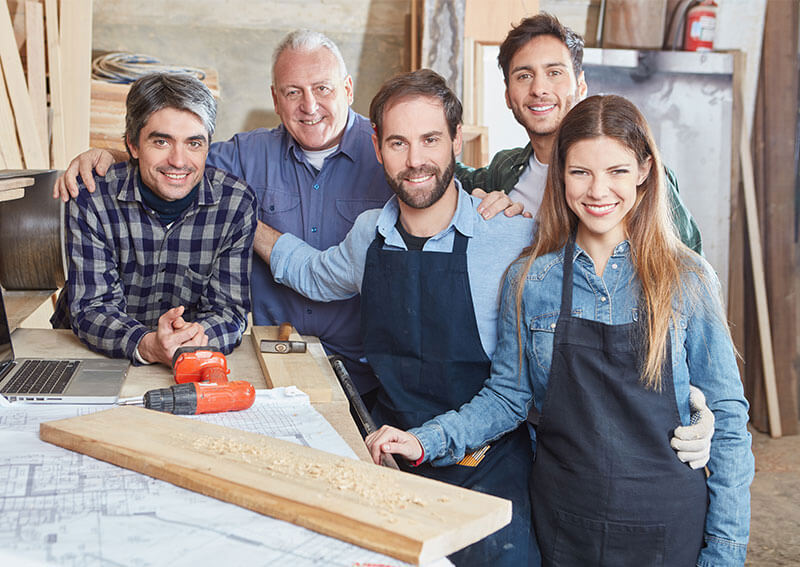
x=339, y=476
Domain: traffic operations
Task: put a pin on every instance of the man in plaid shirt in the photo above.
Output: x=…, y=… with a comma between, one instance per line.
x=160, y=254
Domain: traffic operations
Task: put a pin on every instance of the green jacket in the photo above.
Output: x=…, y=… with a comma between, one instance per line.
x=507, y=166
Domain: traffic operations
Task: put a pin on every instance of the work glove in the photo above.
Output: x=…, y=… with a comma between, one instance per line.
x=693, y=442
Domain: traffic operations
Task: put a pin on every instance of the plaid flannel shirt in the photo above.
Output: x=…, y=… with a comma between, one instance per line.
x=126, y=268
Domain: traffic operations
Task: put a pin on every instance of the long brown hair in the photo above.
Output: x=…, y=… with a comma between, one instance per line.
x=659, y=257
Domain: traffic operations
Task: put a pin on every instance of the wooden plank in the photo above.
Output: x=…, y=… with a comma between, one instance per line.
x=634, y=24
x=775, y=170
x=9, y=147
x=756, y=256
x=491, y=21
x=76, y=63
x=476, y=145
x=58, y=141
x=11, y=194
x=312, y=375
x=15, y=182
x=18, y=94
x=412, y=518
x=34, y=55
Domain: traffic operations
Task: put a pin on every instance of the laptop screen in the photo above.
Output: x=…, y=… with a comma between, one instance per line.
x=6, y=352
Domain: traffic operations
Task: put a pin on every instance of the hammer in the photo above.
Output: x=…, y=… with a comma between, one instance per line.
x=282, y=344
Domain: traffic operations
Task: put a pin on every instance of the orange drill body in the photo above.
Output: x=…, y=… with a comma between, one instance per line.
x=199, y=364
x=201, y=397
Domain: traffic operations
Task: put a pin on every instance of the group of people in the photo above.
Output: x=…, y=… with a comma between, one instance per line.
x=586, y=391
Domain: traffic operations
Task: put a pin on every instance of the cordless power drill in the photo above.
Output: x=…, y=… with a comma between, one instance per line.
x=202, y=386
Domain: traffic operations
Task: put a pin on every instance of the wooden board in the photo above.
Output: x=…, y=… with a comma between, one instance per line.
x=32, y=149
x=58, y=140
x=75, y=23
x=11, y=194
x=406, y=516
x=311, y=374
x=10, y=158
x=34, y=59
x=491, y=21
x=15, y=182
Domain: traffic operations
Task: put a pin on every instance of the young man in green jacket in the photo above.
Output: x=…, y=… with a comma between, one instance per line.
x=542, y=64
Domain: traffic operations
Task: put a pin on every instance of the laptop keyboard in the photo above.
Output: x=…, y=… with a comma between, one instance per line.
x=41, y=377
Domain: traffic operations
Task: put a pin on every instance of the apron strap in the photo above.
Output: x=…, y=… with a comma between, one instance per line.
x=566, y=283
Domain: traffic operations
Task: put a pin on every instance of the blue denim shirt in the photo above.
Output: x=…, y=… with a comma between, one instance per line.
x=337, y=273
x=701, y=347
x=318, y=207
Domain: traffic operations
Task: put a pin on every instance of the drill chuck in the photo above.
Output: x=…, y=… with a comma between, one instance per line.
x=180, y=399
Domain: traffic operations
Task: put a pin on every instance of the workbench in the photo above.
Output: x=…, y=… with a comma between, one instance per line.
x=242, y=362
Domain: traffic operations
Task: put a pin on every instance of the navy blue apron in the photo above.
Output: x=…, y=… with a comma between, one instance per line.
x=606, y=488
x=422, y=341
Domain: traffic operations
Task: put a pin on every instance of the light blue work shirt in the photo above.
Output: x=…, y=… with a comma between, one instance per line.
x=337, y=273
x=318, y=207
x=701, y=347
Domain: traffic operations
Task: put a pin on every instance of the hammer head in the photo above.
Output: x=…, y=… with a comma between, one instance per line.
x=282, y=347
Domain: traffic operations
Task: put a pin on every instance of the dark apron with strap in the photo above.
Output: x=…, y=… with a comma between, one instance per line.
x=606, y=488
x=422, y=341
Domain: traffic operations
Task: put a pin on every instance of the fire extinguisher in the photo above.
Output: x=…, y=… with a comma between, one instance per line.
x=701, y=21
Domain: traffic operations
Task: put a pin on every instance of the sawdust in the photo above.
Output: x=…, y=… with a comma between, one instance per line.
x=340, y=477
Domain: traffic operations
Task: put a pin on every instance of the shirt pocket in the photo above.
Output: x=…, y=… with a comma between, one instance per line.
x=187, y=287
x=277, y=203
x=542, y=330
x=349, y=209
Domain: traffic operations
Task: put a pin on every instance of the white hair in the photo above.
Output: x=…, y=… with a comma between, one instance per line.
x=308, y=40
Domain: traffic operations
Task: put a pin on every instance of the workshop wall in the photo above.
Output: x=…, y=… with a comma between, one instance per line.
x=236, y=37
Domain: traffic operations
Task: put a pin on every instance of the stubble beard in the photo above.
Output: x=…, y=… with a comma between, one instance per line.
x=419, y=199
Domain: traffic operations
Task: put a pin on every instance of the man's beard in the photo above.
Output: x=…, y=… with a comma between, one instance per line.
x=422, y=199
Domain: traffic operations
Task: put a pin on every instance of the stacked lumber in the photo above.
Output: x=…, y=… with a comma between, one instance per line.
x=55, y=46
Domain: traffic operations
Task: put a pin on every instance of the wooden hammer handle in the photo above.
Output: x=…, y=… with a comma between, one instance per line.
x=284, y=331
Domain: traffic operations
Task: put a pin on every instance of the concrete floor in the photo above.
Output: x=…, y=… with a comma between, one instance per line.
x=775, y=502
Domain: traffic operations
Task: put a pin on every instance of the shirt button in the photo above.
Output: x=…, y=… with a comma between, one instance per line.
x=603, y=299
x=313, y=229
x=316, y=185
x=308, y=311
x=614, y=266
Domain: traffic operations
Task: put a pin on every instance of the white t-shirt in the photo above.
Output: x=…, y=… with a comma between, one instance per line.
x=529, y=189
x=317, y=158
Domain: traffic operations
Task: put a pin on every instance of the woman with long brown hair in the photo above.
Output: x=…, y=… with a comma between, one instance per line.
x=605, y=322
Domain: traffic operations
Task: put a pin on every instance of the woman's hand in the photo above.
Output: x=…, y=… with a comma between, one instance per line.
x=390, y=440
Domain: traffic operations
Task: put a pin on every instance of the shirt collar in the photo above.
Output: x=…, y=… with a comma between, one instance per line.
x=463, y=220
x=524, y=156
x=348, y=145
x=621, y=250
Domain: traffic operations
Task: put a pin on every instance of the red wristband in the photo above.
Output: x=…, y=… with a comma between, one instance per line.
x=418, y=462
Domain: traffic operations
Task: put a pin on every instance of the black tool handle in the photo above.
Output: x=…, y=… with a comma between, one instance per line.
x=357, y=404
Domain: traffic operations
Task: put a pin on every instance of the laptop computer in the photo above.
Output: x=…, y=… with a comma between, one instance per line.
x=73, y=381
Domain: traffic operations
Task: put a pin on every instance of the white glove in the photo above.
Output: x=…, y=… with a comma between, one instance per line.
x=693, y=442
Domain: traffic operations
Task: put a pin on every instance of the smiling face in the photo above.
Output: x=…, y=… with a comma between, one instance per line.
x=172, y=150
x=416, y=151
x=311, y=97
x=542, y=86
x=601, y=177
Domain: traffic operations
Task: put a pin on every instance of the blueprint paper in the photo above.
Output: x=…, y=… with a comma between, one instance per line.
x=58, y=507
